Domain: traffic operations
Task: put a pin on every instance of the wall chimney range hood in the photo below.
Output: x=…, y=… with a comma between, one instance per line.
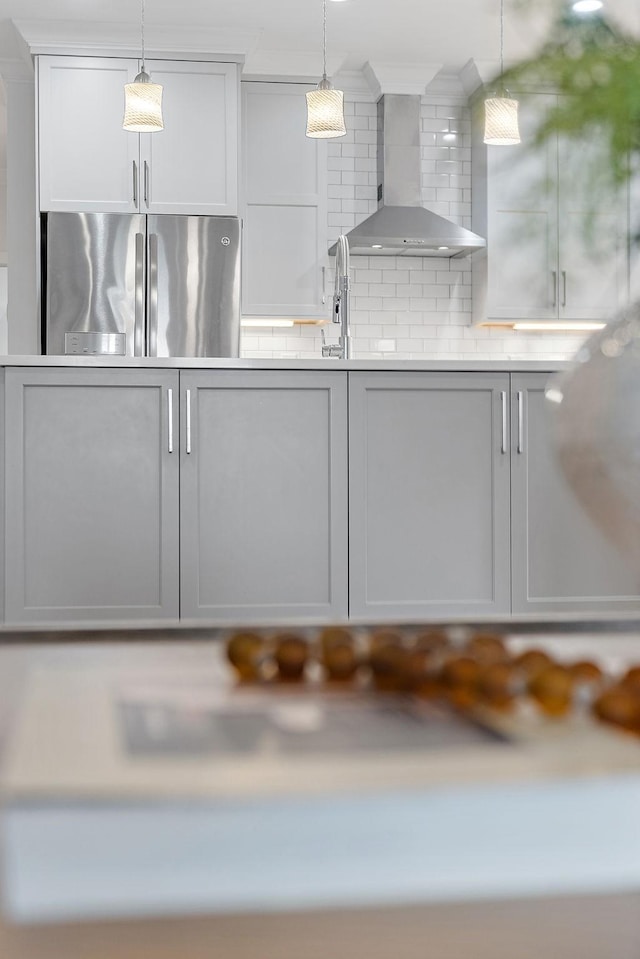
x=401, y=225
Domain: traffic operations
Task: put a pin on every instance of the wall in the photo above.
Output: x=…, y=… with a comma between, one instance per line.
x=407, y=307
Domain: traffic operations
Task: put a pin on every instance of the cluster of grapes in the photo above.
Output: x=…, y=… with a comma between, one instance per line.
x=480, y=672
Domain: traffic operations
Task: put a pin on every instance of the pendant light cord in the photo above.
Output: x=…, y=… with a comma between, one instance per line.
x=142, y=30
x=501, y=37
x=324, y=39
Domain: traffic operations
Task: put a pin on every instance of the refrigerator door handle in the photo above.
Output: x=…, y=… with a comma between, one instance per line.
x=152, y=298
x=188, y=405
x=138, y=326
x=170, y=418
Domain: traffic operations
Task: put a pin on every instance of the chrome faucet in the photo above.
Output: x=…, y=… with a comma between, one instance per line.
x=342, y=349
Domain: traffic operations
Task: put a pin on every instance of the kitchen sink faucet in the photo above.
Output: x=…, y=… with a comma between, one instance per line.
x=342, y=349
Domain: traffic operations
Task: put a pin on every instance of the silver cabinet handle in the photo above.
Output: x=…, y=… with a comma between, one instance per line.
x=138, y=325
x=555, y=288
x=152, y=294
x=503, y=399
x=170, y=417
x=564, y=288
x=520, y=421
x=324, y=285
x=135, y=184
x=146, y=183
x=188, y=421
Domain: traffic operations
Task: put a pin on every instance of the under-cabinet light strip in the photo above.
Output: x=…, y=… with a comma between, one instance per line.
x=569, y=327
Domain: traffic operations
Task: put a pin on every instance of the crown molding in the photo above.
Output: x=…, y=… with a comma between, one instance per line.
x=123, y=39
x=303, y=65
x=409, y=78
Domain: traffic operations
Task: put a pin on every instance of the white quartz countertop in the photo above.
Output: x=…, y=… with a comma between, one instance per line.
x=226, y=363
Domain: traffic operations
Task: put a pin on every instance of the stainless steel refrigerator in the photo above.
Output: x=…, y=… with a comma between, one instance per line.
x=141, y=285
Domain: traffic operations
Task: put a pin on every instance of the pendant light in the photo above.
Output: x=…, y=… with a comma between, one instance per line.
x=142, y=98
x=325, y=106
x=500, y=110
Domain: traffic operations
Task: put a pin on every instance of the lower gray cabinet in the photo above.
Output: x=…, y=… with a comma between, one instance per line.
x=561, y=561
x=263, y=495
x=91, y=495
x=429, y=495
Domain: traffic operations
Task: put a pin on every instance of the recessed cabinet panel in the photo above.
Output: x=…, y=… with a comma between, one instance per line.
x=192, y=164
x=86, y=160
x=526, y=278
x=264, y=496
x=282, y=285
x=429, y=493
x=92, y=496
x=281, y=160
x=561, y=560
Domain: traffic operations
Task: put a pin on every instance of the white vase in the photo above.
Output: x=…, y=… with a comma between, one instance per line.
x=595, y=419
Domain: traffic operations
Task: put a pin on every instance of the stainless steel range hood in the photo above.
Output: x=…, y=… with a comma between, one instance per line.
x=402, y=226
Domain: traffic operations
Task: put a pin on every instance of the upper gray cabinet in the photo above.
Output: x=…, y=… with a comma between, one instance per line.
x=561, y=560
x=87, y=162
x=557, y=239
x=284, y=208
x=429, y=495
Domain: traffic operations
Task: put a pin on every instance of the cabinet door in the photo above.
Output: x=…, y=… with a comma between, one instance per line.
x=593, y=230
x=264, y=496
x=192, y=165
x=285, y=215
x=91, y=496
x=522, y=223
x=428, y=495
x=561, y=561
x=87, y=162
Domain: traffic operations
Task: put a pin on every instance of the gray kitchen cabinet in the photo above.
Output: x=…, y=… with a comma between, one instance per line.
x=429, y=495
x=285, y=209
x=88, y=163
x=91, y=509
x=557, y=246
x=561, y=562
x=2, y=480
x=263, y=495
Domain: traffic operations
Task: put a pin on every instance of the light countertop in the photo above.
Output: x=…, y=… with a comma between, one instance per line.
x=227, y=363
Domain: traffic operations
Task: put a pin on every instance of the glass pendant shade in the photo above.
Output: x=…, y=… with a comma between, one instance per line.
x=501, y=121
x=325, y=111
x=143, y=105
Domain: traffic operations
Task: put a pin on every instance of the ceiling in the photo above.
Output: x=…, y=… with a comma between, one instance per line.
x=447, y=32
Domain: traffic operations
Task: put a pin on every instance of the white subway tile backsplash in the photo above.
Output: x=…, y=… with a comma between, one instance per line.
x=385, y=346
x=366, y=136
x=382, y=289
x=366, y=164
x=422, y=304
x=355, y=150
x=366, y=275
x=340, y=163
x=368, y=302
x=397, y=303
x=409, y=290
